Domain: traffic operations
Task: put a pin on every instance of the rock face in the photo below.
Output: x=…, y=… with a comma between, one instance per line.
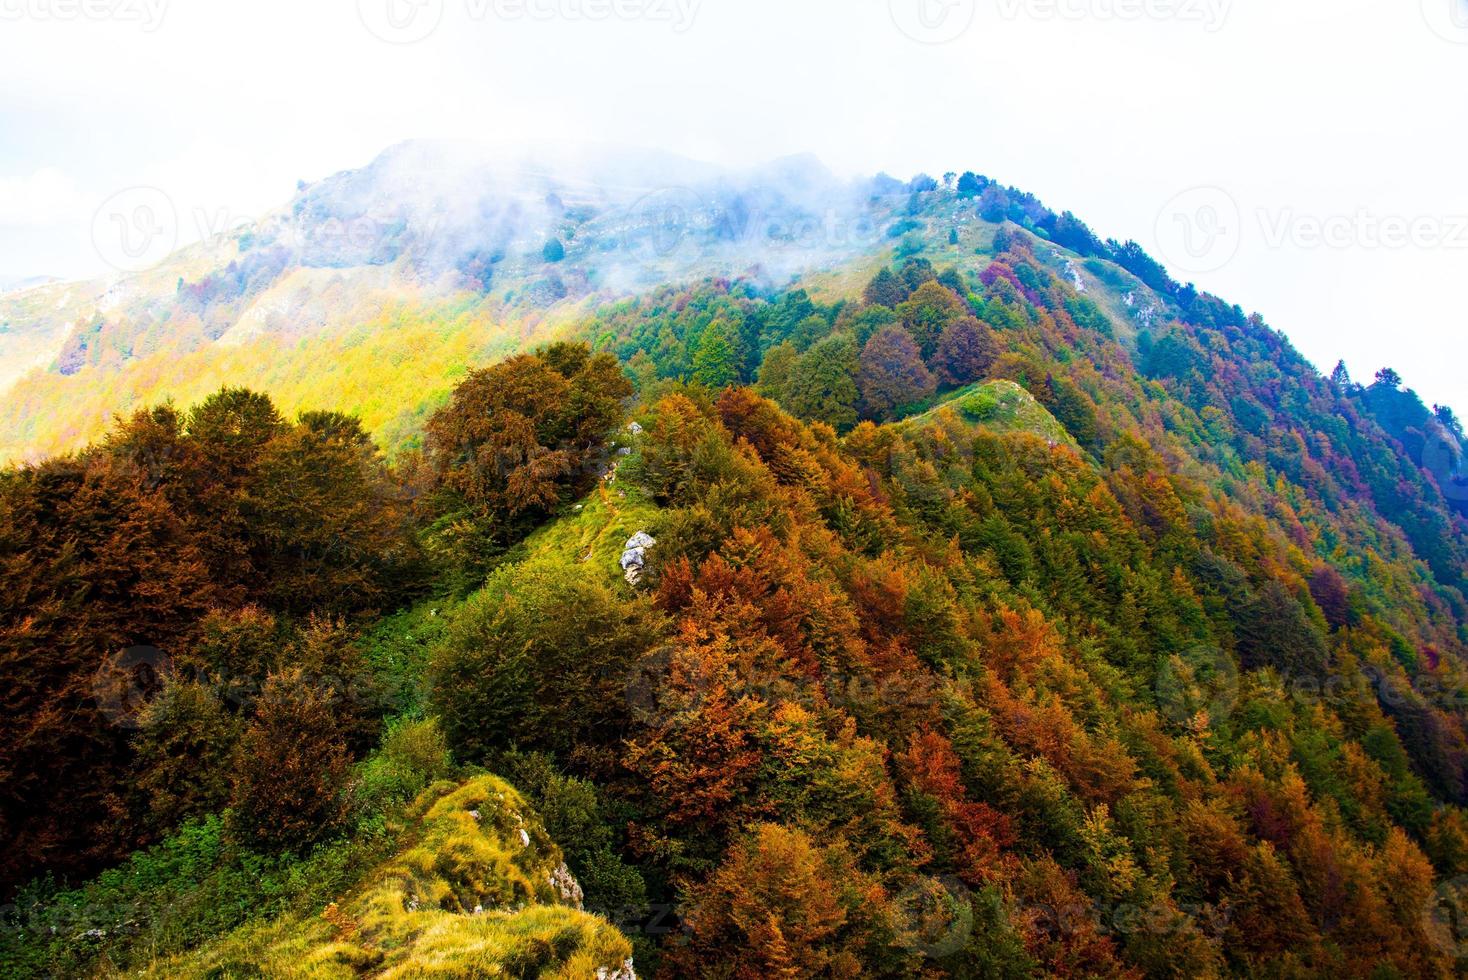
x=634, y=555
x=566, y=885
x=625, y=972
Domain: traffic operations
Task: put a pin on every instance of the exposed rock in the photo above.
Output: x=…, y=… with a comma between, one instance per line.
x=634, y=428
x=634, y=555
x=623, y=972
x=566, y=885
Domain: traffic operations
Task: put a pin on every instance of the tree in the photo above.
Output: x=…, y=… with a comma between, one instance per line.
x=1273, y=631
x=822, y=385
x=553, y=251
x=324, y=525
x=928, y=311
x=184, y=745
x=993, y=204
x=100, y=583
x=783, y=906
x=716, y=359
x=775, y=371
x=513, y=439
x=1447, y=419
x=1387, y=378
x=892, y=374
x=292, y=767
x=885, y=289
x=538, y=659
x=966, y=351
x=1332, y=594
x=970, y=185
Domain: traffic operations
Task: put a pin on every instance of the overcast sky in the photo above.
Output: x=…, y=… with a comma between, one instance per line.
x=1303, y=158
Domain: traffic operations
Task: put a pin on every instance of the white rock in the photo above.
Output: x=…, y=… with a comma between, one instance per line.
x=566, y=885
x=623, y=972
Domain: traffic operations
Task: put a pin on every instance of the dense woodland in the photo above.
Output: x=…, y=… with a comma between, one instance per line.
x=903, y=692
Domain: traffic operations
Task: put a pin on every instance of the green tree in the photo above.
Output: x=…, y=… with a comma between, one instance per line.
x=885, y=289
x=931, y=308
x=538, y=659
x=822, y=383
x=182, y=754
x=716, y=359
x=325, y=527
x=775, y=370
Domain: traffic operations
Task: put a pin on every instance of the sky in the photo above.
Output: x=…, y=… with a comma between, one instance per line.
x=1301, y=158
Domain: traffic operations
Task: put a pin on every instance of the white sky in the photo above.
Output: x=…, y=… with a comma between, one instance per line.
x=1347, y=112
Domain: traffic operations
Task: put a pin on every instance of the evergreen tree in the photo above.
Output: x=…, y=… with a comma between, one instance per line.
x=716, y=359
x=885, y=289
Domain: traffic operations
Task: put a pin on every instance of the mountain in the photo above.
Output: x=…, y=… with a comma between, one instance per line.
x=440, y=244
x=803, y=577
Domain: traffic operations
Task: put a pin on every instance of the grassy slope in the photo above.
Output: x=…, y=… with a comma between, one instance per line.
x=470, y=894
x=1000, y=406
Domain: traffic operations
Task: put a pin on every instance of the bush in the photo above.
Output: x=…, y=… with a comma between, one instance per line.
x=182, y=751
x=413, y=756
x=292, y=768
x=538, y=659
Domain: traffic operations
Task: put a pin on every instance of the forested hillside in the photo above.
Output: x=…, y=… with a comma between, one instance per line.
x=987, y=604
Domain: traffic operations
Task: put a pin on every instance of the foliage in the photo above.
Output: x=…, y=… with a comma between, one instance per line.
x=292, y=768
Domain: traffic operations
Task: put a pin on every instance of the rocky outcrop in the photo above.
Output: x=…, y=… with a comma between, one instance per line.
x=634, y=555
x=624, y=972
x=566, y=885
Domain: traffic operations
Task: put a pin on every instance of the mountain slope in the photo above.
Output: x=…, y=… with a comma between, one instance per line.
x=1006, y=609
